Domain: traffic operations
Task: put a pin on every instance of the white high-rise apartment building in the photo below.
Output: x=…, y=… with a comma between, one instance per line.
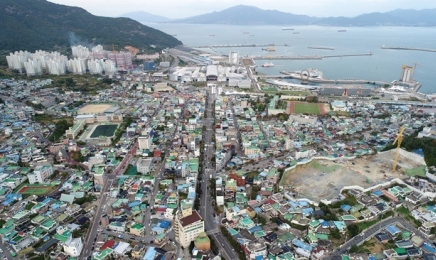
x=109, y=67
x=95, y=66
x=80, y=51
x=77, y=66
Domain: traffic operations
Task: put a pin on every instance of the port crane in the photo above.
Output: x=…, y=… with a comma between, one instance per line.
x=398, y=141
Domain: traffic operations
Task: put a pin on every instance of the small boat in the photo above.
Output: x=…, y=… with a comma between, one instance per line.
x=267, y=65
x=246, y=33
x=174, y=35
x=342, y=30
x=211, y=35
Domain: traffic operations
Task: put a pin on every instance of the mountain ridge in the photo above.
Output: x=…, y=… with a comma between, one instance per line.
x=250, y=15
x=38, y=24
x=142, y=16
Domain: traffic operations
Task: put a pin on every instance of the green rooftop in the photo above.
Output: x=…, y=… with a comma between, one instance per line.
x=103, y=254
x=137, y=226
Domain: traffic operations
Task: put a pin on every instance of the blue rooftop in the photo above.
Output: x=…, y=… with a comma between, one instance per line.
x=254, y=229
x=301, y=244
x=428, y=248
x=377, y=193
x=392, y=230
x=345, y=207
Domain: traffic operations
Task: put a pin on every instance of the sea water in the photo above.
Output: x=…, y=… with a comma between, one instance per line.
x=384, y=65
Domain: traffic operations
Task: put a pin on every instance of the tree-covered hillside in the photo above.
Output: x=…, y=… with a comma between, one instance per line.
x=39, y=24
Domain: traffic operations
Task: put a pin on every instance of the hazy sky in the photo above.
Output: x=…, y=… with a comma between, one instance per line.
x=186, y=8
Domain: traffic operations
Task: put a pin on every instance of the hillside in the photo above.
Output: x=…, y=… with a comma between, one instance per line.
x=142, y=17
x=39, y=24
x=249, y=15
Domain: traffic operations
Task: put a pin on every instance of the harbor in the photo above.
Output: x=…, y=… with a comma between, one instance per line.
x=296, y=75
x=312, y=75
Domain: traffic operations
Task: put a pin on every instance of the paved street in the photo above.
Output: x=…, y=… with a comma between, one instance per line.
x=370, y=232
x=6, y=251
x=92, y=232
x=206, y=207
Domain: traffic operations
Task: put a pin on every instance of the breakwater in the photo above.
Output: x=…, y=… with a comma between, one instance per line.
x=408, y=49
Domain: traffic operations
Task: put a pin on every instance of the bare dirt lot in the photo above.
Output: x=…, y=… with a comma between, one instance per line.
x=93, y=109
x=323, y=179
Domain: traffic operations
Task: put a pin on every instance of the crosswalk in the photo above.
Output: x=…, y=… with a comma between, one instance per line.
x=213, y=231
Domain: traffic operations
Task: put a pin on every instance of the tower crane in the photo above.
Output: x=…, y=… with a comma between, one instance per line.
x=398, y=141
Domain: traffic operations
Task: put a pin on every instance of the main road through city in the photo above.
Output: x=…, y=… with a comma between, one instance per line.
x=206, y=207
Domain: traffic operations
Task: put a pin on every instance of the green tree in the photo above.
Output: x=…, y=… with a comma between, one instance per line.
x=353, y=230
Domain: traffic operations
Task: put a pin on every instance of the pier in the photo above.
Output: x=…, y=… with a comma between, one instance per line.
x=308, y=57
x=408, y=49
x=237, y=46
x=330, y=81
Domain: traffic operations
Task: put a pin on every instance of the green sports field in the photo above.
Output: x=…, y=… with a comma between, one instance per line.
x=306, y=108
x=35, y=190
x=104, y=130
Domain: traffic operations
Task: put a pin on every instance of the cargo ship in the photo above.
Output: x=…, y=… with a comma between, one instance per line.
x=296, y=33
x=342, y=30
x=287, y=29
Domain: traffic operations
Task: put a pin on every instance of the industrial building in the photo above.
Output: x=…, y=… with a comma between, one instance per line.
x=212, y=73
x=233, y=58
x=235, y=76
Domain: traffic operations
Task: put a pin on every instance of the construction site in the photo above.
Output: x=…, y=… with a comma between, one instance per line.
x=323, y=179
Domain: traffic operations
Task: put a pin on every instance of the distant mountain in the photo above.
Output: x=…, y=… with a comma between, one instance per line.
x=39, y=24
x=142, y=17
x=399, y=17
x=249, y=15
x=371, y=19
x=425, y=17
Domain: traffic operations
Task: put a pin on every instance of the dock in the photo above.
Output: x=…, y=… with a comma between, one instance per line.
x=309, y=57
x=408, y=49
x=253, y=45
x=330, y=81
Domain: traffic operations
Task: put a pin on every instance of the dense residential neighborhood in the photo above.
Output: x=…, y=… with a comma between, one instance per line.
x=156, y=166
